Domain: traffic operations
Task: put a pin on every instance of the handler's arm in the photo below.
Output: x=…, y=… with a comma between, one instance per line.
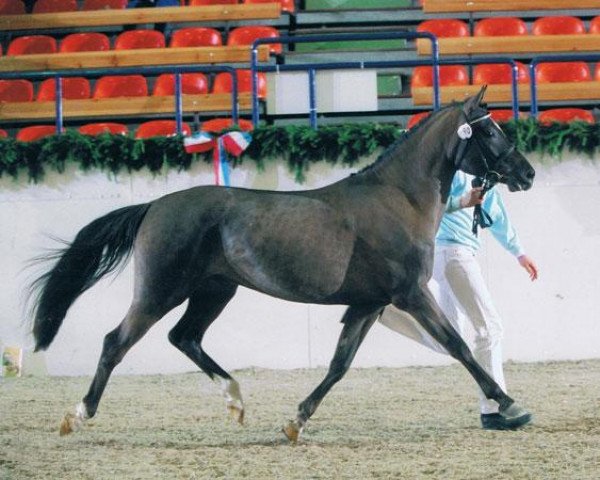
x=505, y=233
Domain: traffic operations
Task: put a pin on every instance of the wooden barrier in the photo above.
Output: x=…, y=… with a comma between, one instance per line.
x=442, y=6
x=121, y=107
x=503, y=93
x=130, y=58
x=512, y=44
x=97, y=18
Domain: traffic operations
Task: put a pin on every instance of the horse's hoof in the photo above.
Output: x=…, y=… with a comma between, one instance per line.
x=237, y=414
x=292, y=431
x=68, y=425
x=512, y=417
x=513, y=411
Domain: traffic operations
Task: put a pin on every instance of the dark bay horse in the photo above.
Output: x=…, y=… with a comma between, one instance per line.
x=365, y=241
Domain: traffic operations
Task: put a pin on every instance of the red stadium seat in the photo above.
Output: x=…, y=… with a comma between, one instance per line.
x=191, y=84
x=73, y=88
x=286, y=5
x=449, y=75
x=54, y=6
x=500, y=26
x=560, y=25
x=3, y=133
x=597, y=73
x=246, y=36
x=416, y=118
x=222, y=83
x=160, y=128
x=104, y=4
x=498, y=73
x=85, y=42
x=104, y=127
x=195, y=3
x=217, y=125
x=196, y=37
x=121, y=86
x=31, y=44
x=133, y=39
x=504, y=115
x=562, y=72
x=16, y=91
x=565, y=115
x=445, y=27
x=10, y=7
x=595, y=25
x=35, y=132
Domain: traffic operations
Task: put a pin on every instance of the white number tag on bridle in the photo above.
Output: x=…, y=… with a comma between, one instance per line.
x=464, y=131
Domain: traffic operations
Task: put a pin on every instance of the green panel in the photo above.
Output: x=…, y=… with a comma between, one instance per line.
x=353, y=45
x=355, y=4
x=389, y=85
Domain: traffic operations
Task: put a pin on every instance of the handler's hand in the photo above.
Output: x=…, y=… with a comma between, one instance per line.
x=527, y=264
x=472, y=198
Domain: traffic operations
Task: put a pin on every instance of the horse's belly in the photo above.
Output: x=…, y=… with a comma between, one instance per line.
x=294, y=247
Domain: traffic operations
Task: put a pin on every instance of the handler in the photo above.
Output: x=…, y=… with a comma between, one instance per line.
x=462, y=290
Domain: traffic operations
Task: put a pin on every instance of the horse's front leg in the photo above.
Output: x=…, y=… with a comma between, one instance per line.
x=357, y=322
x=423, y=307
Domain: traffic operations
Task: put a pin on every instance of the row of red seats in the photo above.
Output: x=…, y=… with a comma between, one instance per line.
x=490, y=74
x=128, y=86
x=145, y=38
x=152, y=128
x=546, y=117
x=15, y=7
x=509, y=26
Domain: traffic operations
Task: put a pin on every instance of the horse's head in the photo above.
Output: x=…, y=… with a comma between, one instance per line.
x=485, y=151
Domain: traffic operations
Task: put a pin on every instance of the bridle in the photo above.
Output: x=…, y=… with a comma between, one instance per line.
x=465, y=132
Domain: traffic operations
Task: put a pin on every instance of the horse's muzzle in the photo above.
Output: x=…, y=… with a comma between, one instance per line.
x=521, y=180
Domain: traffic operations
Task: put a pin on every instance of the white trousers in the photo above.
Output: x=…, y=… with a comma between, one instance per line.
x=460, y=290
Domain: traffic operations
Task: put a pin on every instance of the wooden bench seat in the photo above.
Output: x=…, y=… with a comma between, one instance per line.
x=131, y=16
x=503, y=93
x=121, y=107
x=512, y=44
x=130, y=58
x=442, y=6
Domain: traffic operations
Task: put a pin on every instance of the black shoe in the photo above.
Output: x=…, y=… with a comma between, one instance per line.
x=495, y=421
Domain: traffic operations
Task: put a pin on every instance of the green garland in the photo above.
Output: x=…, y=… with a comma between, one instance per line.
x=299, y=146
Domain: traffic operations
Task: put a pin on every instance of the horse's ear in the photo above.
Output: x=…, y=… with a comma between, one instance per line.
x=475, y=101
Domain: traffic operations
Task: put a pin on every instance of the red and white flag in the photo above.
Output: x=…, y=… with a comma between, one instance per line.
x=199, y=142
x=236, y=142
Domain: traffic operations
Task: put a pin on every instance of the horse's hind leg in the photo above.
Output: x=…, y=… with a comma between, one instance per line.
x=422, y=306
x=116, y=344
x=357, y=322
x=203, y=308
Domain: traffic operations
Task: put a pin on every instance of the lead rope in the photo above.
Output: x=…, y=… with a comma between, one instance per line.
x=481, y=218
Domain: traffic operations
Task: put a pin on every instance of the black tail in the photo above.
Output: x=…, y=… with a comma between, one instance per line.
x=97, y=250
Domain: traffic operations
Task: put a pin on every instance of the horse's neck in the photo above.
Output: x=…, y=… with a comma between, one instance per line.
x=420, y=167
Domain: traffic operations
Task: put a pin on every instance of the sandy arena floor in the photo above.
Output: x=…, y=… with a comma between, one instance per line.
x=410, y=423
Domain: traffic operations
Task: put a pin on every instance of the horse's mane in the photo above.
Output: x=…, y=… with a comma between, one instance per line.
x=391, y=150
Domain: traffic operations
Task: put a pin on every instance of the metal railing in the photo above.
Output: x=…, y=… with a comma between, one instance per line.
x=311, y=68
x=583, y=57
